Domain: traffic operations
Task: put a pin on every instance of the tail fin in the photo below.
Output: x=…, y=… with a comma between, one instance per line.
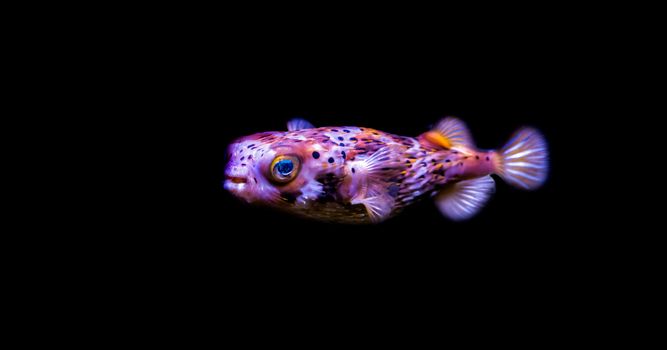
x=524, y=161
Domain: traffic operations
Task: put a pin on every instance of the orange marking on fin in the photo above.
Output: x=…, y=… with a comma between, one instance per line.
x=438, y=139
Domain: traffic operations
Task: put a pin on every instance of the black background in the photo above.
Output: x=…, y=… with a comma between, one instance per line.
x=191, y=91
x=180, y=89
x=545, y=241
x=211, y=106
x=146, y=101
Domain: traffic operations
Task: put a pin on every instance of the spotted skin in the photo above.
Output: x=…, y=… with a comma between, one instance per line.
x=340, y=167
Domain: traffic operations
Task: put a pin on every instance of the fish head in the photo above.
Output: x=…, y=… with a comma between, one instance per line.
x=274, y=168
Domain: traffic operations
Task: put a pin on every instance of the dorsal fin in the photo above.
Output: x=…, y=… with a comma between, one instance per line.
x=299, y=124
x=449, y=133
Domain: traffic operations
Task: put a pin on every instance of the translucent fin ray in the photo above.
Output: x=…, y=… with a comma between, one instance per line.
x=450, y=133
x=462, y=200
x=299, y=124
x=524, y=160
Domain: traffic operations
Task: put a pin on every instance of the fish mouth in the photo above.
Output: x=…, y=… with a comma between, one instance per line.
x=236, y=179
x=235, y=184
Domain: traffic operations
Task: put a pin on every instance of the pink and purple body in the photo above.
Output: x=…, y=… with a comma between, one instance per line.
x=361, y=175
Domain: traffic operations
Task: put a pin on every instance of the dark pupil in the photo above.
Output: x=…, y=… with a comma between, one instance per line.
x=285, y=167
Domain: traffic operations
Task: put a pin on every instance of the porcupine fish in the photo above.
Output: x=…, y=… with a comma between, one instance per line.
x=361, y=175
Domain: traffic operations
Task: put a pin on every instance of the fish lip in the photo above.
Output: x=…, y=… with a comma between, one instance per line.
x=234, y=187
x=235, y=184
x=236, y=179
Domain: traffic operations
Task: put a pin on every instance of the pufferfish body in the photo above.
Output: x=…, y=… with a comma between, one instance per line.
x=362, y=175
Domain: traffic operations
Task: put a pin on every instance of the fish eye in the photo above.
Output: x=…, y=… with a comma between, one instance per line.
x=284, y=168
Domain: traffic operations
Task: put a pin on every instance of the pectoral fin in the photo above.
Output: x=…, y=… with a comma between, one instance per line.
x=368, y=182
x=378, y=207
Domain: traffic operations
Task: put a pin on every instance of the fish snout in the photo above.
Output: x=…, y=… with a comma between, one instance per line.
x=236, y=178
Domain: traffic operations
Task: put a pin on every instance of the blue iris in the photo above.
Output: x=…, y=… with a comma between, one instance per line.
x=284, y=167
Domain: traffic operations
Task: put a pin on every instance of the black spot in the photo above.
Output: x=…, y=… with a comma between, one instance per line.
x=242, y=164
x=353, y=139
x=460, y=164
x=433, y=160
x=477, y=157
x=455, y=152
x=393, y=190
x=340, y=138
x=421, y=177
x=374, y=133
x=251, y=145
x=242, y=158
x=346, y=130
x=334, y=130
x=385, y=169
x=362, y=129
x=250, y=157
x=353, y=171
x=316, y=154
x=341, y=144
x=331, y=160
x=487, y=158
x=255, y=179
x=343, y=153
x=447, y=160
x=407, y=162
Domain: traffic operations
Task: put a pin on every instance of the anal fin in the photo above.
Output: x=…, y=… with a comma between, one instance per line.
x=462, y=200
